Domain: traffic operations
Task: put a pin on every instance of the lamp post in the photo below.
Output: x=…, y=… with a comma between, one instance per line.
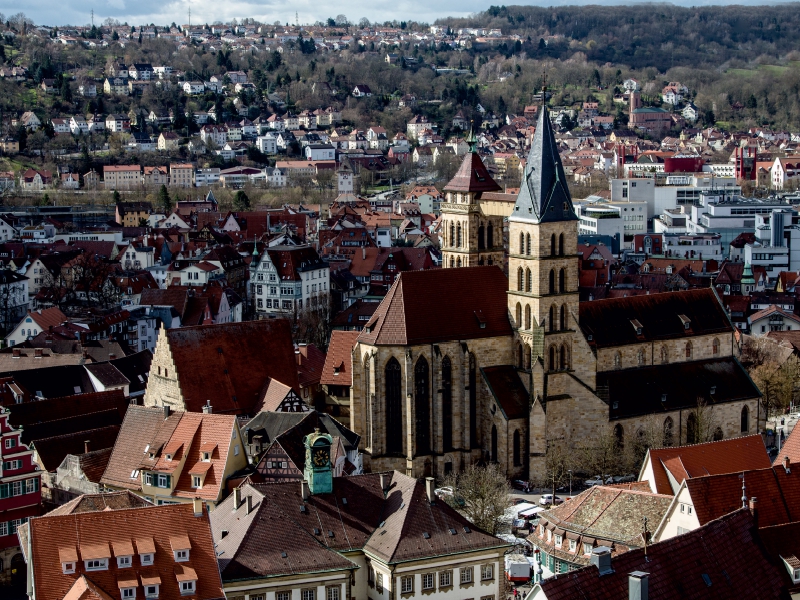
x=570, y=481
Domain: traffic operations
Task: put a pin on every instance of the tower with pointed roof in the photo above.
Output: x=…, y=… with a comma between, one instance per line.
x=470, y=237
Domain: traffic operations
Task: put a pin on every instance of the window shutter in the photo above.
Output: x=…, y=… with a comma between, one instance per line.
x=168, y=480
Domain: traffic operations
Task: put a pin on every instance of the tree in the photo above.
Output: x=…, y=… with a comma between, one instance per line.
x=481, y=494
x=241, y=201
x=116, y=197
x=774, y=369
x=164, y=200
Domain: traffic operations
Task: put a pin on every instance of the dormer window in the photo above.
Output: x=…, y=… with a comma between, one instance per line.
x=181, y=555
x=187, y=587
x=687, y=323
x=147, y=559
x=124, y=562
x=128, y=593
x=168, y=456
x=197, y=481
x=96, y=564
x=67, y=567
x=206, y=456
x=151, y=591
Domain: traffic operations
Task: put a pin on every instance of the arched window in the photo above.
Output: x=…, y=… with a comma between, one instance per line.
x=458, y=235
x=520, y=280
x=640, y=358
x=481, y=245
x=691, y=429
x=490, y=236
x=493, y=456
x=526, y=349
x=668, y=432
x=564, y=358
x=394, y=408
x=688, y=350
x=528, y=280
x=562, y=281
x=664, y=355
x=553, y=245
x=458, y=262
x=422, y=405
x=473, y=402
x=452, y=234
x=745, y=421
x=452, y=262
x=552, y=357
x=519, y=315
x=527, y=316
x=552, y=282
x=447, y=404
x=562, y=323
x=619, y=436
x=715, y=346
x=618, y=361
x=367, y=402
x=517, y=448
x=521, y=243
x=561, y=244
x=528, y=243
x=520, y=357
x=552, y=318
x=718, y=434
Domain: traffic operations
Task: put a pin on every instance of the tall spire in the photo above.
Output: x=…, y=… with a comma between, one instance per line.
x=544, y=196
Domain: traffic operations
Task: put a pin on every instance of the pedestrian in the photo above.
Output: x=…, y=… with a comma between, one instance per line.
x=515, y=593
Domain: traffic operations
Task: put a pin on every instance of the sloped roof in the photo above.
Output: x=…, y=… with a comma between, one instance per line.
x=51, y=451
x=472, y=176
x=508, y=390
x=790, y=448
x=229, y=363
x=102, y=501
x=723, y=560
x=610, y=321
x=29, y=413
x=338, y=369
x=69, y=425
x=733, y=455
x=272, y=425
x=441, y=305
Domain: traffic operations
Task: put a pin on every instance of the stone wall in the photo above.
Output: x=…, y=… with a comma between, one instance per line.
x=163, y=384
x=651, y=352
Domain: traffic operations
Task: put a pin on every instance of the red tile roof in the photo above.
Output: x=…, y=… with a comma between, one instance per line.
x=46, y=317
x=95, y=533
x=508, y=390
x=472, y=176
x=733, y=455
x=474, y=306
x=338, y=369
x=311, y=361
x=790, y=448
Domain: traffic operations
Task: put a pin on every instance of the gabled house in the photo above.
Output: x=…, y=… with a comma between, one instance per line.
x=362, y=91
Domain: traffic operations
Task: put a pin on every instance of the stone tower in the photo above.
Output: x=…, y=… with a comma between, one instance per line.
x=543, y=263
x=470, y=237
x=344, y=178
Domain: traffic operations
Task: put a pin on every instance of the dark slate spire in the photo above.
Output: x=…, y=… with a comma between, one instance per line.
x=544, y=196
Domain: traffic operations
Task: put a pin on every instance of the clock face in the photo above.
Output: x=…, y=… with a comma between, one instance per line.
x=320, y=458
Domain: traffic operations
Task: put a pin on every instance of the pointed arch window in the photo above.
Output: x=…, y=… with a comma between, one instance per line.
x=481, y=245
x=452, y=234
x=447, y=404
x=490, y=236
x=528, y=280
x=517, y=448
x=520, y=280
x=640, y=358
x=394, y=408
x=519, y=315
x=688, y=350
x=619, y=436
x=552, y=281
x=691, y=429
x=669, y=427
x=473, y=402
x=521, y=243
x=745, y=420
x=561, y=244
x=458, y=235
x=553, y=324
x=562, y=281
x=520, y=357
x=367, y=402
x=617, y=360
x=422, y=405
x=553, y=245
x=564, y=358
x=715, y=346
x=552, y=357
x=527, y=316
x=562, y=323
x=494, y=444
x=527, y=350
x=458, y=262
x=664, y=355
x=528, y=242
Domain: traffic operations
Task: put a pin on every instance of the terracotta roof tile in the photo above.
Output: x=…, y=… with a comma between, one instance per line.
x=508, y=390
x=472, y=176
x=52, y=451
x=102, y=501
x=338, y=362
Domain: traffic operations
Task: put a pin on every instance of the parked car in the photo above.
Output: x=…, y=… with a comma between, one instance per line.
x=630, y=478
x=547, y=500
x=597, y=480
x=519, y=484
x=519, y=501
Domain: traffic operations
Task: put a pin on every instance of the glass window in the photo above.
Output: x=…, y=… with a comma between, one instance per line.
x=487, y=572
x=332, y=593
x=128, y=593
x=282, y=595
x=308, y=594
x=445, y=579
x=466, y=575
x=379, y=582
x=187, y=587
x=407, y=584
x=427, y=581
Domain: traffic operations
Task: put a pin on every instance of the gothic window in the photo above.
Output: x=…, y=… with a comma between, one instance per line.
x=458, y=235
x=519, y=315
x=521, y=243
x=564, y=362
x=367, y=402
x=562, y=280
x=552, y=282
x=553, y=245
x=618, y=360
x=520, y=280
x=527, y=350
x=563, y=321
x=490, y=236
x=494, y=444
x=473, y=402
x=664, y=355
x=668, y=432
x=452, y=262
x=561, y=244
x=480, y=238
x=527, y=317
x=745, y=423
x=619, y=436
x=517, y=448
x=394, y=408
x=458, y=262
x=452, y=234
x=528, y=242
x=640, y=358
x=520, y=357
x=688, y=350
x=552, y=357
x=447, y=404
x=422, y=405
x=691, y=429
x=715, y=346
x=552, y=319
x=528, y=280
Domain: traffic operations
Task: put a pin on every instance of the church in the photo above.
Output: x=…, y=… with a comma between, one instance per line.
x=465, y=364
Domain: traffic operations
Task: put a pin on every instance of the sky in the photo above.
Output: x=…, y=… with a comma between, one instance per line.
x=161, y=12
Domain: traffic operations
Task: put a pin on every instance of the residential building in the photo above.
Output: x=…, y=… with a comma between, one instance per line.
x=131, y=214
x=34, y=180
x=116, y=86
x=337, y=375
x=117, y=123
x=168, y=140
x=181, y=175
x=287, y=279
x=122, y=177
x=155, y=177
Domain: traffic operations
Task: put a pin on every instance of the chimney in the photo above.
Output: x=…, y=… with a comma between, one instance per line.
x=384, y=485
x=429, y=489
x=249, y=503
x=237, y=498
x=601, y=558
x=198, y=507
x=207, y=408
x=87, y=445
x=37, y=353
x=754, y=509
x=304, y=490
x=166, y=412
x=638, y=585
x=112, y=356
x=363, y=253
x=15, y=353
x=786, y=465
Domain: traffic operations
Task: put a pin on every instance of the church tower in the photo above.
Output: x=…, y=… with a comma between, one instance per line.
x=344, y=178
x=470, y=237
x=543, y=262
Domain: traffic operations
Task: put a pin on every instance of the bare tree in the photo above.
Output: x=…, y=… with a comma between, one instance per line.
x=312, y=322
x=481, y=494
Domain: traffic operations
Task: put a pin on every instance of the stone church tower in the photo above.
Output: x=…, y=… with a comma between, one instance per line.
x=470, y=236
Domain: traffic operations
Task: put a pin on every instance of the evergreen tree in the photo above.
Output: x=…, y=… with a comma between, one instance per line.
x=241, y=201
x=116, y=197
x=164, y=200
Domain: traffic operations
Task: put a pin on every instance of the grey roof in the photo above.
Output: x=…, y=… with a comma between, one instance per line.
x=272, y=424
x=544, y=196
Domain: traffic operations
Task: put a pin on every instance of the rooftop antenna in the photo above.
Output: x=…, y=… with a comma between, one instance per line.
x=645, y=536
x=296, y=19
x=744, y=493
x=92, y=17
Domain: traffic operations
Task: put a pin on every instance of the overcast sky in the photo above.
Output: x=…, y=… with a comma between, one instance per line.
x=160, y=12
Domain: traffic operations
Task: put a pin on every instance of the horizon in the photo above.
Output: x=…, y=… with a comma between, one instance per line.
x=78, y=14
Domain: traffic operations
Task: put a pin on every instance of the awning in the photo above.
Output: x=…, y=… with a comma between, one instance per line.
x=531, y=511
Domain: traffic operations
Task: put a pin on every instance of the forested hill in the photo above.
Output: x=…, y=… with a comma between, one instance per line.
x=648, y=35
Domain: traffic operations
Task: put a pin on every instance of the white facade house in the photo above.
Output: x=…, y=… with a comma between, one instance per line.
x=268, y=143
x=284, y=279
x=194, y=88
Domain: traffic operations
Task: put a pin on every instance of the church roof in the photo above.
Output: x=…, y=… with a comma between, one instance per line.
x=648, y=318
x=508, y=390
x=544, y=196
x=425, y=307
x=472, y=176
